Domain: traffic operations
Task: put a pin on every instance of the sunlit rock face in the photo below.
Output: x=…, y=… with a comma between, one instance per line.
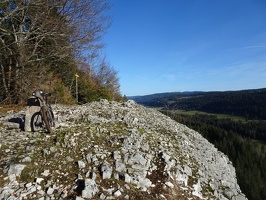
x=110, y=150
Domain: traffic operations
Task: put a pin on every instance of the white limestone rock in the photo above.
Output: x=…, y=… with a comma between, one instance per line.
x=16, y=169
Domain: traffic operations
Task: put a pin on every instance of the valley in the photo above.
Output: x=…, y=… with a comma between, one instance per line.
x=234, y=121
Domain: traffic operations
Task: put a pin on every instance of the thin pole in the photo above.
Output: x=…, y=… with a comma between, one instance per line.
x=77, y=98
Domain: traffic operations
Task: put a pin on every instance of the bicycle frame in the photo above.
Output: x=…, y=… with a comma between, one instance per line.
x=45, y=111
x=40, y=97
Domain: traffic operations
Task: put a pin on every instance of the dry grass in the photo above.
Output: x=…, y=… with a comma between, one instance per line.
x=16, y=108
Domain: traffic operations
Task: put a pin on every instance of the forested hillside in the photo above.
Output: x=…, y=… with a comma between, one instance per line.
x=250, y=104
x=55, y=45
x=243, y=142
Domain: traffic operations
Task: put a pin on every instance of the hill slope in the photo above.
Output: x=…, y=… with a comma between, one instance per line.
x=250, y=104
x=106, y=150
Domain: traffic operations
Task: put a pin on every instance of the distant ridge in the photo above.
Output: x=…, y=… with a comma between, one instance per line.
x=165, y=94
x=140, y=98
x=250, y=103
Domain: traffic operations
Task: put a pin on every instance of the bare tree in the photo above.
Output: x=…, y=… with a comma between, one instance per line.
x=88, y=22
x=32, y=34
x=106, y=76
x=40, y=36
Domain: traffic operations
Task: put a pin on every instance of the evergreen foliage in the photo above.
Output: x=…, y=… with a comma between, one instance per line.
x=250, y=104
x=244, y=142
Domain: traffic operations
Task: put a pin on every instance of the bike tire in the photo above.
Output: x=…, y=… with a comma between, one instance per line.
x=47, y=119
x=50, y=116
x=36, y=122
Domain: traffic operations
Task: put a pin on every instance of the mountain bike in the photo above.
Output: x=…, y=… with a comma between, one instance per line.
x=45, y=116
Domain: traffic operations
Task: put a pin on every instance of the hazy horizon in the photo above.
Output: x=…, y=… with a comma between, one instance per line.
x=196, y=91
x=177, y=45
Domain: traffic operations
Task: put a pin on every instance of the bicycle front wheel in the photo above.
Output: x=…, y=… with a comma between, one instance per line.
x=47, y=118
x=36, y=122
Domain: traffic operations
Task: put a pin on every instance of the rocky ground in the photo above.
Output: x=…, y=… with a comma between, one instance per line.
x=111, y=150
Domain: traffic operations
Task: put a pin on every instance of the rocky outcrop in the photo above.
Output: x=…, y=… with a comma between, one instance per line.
x=111, y=150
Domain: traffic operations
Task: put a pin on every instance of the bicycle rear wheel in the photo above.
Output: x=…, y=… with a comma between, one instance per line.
x=47, y=118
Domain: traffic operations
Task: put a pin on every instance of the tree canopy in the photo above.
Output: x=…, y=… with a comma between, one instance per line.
x=44, y=43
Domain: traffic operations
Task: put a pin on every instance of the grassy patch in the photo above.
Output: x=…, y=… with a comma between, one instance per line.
x=27, y=174
x=15, y=108
x=196, y=112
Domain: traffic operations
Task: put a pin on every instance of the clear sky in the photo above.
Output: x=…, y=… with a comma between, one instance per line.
x=187, y=45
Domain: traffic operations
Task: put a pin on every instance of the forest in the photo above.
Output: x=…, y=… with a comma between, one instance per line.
x=243, y=142
x=57, y=46
x=250, y=104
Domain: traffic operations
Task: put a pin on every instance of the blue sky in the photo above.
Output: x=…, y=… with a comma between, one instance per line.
x=187, y=45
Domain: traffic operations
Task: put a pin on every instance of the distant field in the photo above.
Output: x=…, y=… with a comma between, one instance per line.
x=219, y=116
x=237, y=105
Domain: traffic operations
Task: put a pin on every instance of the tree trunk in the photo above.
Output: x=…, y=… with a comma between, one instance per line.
x=4, y=81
